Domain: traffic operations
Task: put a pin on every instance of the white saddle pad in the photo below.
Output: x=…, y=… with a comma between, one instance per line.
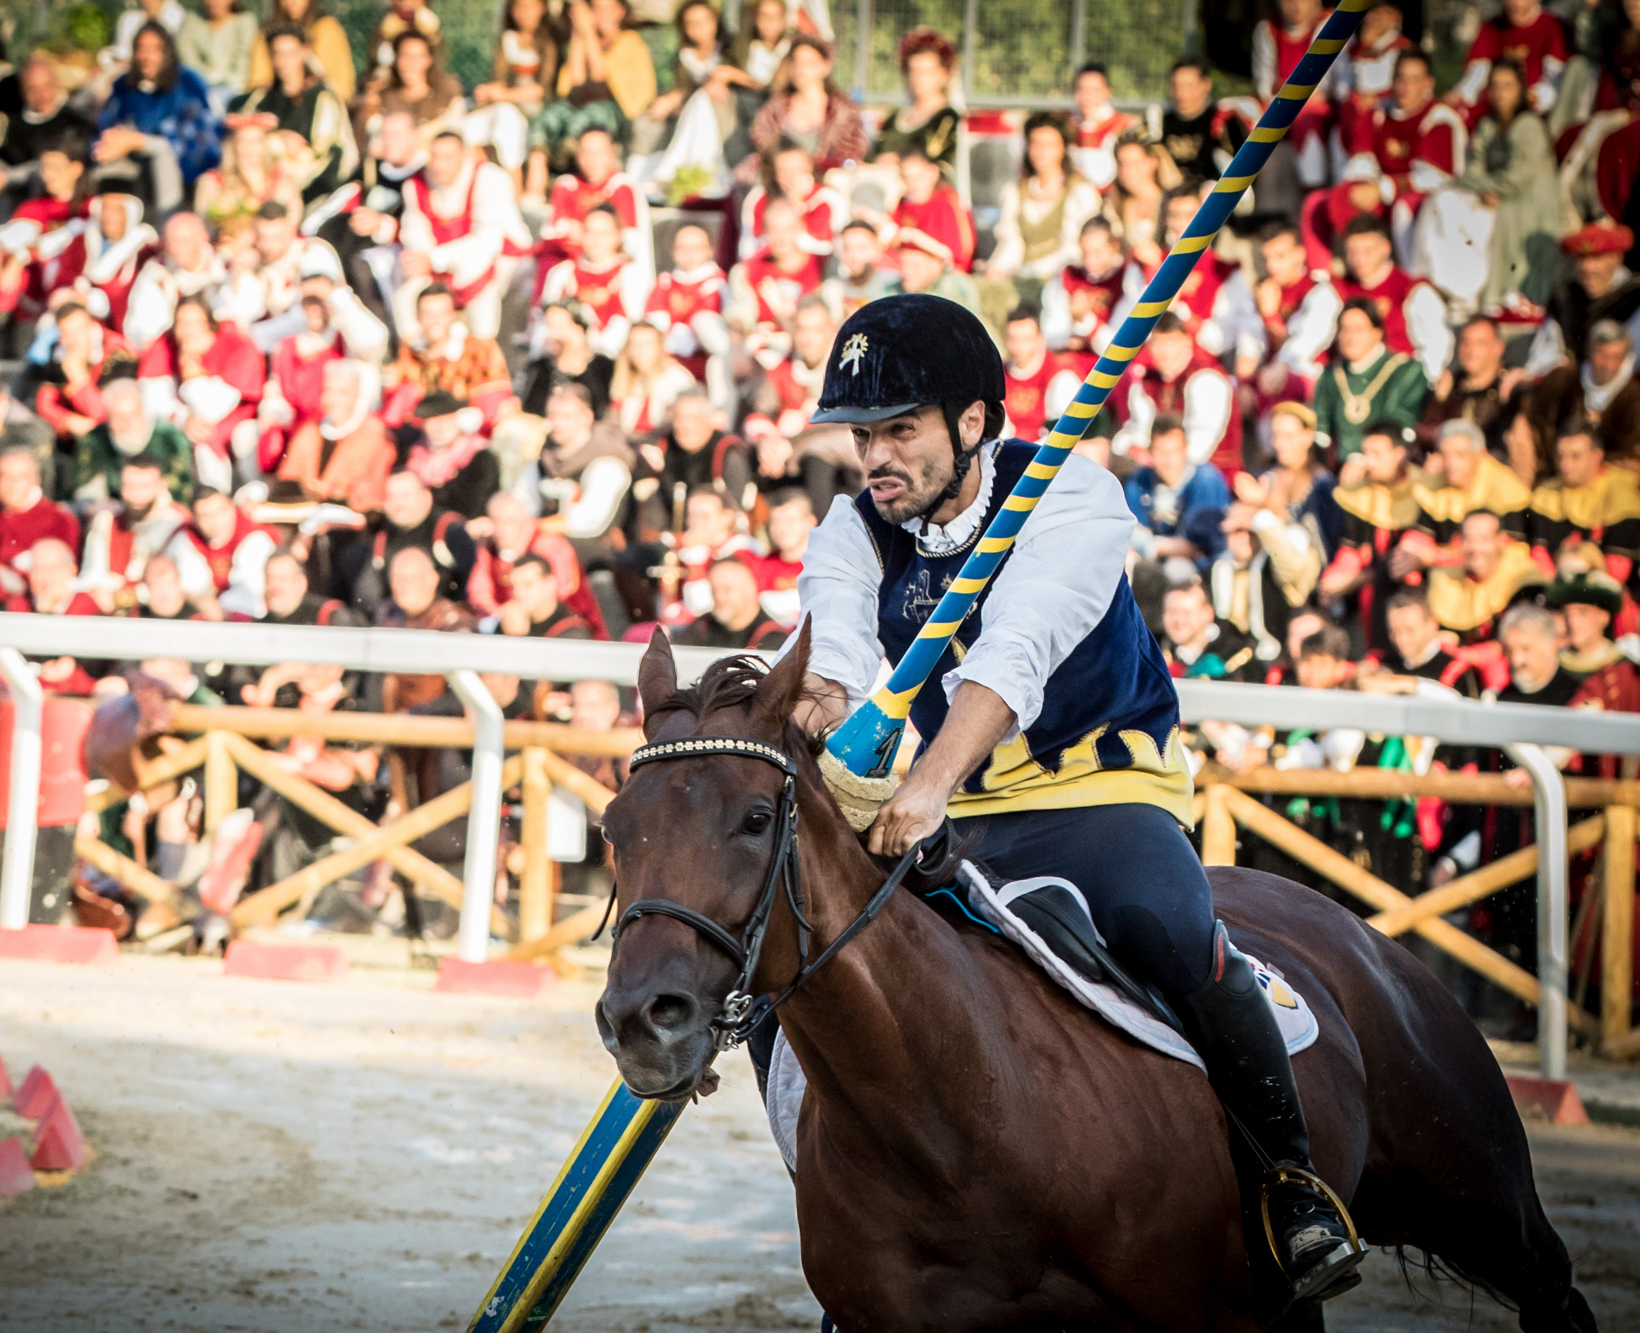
x=1298, y=1024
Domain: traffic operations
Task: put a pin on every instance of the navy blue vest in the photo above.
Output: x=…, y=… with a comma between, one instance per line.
x=1108, y=729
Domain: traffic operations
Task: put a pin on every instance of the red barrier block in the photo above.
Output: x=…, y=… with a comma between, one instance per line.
x=523, y=981
x=1552, y=1099
x=16, y=1175
x=60, y=944
x=59, y=1145
x=285, y=962
x=36, y=1095
x=6, y=1088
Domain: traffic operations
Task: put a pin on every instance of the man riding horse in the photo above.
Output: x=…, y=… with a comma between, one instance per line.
x=1054, y=733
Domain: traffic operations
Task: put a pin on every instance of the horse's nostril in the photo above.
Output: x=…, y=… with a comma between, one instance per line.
x=670, y=1011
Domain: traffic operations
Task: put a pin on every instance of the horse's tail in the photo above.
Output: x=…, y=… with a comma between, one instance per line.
x=1572, y=1315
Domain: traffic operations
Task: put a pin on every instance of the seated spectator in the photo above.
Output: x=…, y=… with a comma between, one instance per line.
x=157, y=126
x=1478, y=389
x=927, y=123
x=512, y=532
x=452, y=459
x=686, y=303
x=1043, y=212
x=580, y=481
x=255, y=170
x=1298, y=490
x=344, y=456
x=699, y=117
x=207, y=377
x=1200, y=135
x=1469, y=480
x=187, y=266
x=1586, y=501
x=70, y=398
x=1420, y=651
x=52, y=592
x=861, y=276
x=808, y=109
x=304, y=106
x=222, y=556
x=1531, y=641
x=1496, y=572
x=1174, y=376
x=418, y=84
x=125, y=433
x=1040, y=384
x=121, y=538
x=1366, y=382
x=1366, y=71
x=820, y=210
x=291, y=395
x=402, y=16
x=1300, y=310
x=1602, y=288
x=713, y=530
x=694, y=453
x=1179, y=504
x=409, y=518
x=329, y=51
x=596, y=180
x=217, y=44
x=765, y=289
x=45, y=117
x=1602, y=389
x=1215, y=302
x=923, y=269
x=162, y=596
x=783, y=399
x=522, y=74
x=1536, y=41
x=42, y=243
x=606, y=82
x=1493, y=236
x=1098, y=125
x=461, y=227
x=116, y=57
x=1376, y=494
x=1279, y=43
x=759, y=49
x=446, y=356
x=1266, y=572
x=791, y=521
x=1409, y=149
x=289, y=601
x=1410, y=311
x=1590, y=603
x=1082, y=304
x=26, y=515
x=736, y=622
x=1197, y=643
x=647, y=381
x=534, y=610
x=1133, y=204
x=415, y=585
x=566, y=357
x=118, y=243
x=933, y=211
x=602, y=281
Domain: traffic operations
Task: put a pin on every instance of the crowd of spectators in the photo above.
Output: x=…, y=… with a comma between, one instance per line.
x=309, y=340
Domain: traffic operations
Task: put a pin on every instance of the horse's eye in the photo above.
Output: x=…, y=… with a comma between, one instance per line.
x=756, y=822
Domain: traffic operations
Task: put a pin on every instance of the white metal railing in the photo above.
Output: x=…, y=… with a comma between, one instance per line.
x=1520, y=730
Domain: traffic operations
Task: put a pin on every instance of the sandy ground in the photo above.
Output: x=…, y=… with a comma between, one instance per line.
x=284, y=1158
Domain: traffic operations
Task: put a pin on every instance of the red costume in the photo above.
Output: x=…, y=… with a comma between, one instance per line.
x=573, y=198
x=455, y=227
x=1173, y=396
x=233, y=358
x=219, y=559
x=761, y=268
x=596, y=286
x=300, y=380
x=1416, y=152
x=1027, y=398
x=1390, y=297
x=822, y=212
x=57, y=402
x=489, y=586
x=1276, y=53
x=1540, y=48
x=678, y=296
x=44, y=518
x=50, y=235
x=945, y=221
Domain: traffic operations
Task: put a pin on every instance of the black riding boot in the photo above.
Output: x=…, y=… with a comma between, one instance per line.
x=1230, y=1023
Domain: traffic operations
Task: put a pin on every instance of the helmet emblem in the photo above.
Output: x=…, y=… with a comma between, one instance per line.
x=853, y=350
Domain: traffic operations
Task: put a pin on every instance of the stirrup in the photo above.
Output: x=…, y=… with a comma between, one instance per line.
x=1358, y=1248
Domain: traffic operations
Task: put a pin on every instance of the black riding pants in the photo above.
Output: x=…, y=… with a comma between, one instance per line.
x=1145, y=888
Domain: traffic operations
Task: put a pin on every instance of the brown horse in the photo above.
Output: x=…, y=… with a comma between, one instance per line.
x=976, y=1151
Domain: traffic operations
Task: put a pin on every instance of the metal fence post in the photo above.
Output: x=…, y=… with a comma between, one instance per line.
x=483, y=818
x=23, y=805
x=1549, y=799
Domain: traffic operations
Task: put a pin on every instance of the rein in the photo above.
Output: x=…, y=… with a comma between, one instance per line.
x=742, y=1011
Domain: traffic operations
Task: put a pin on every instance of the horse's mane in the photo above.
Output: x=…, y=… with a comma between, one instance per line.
x=728, y=683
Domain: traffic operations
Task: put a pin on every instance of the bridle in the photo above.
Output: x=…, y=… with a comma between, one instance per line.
x=741, y=1011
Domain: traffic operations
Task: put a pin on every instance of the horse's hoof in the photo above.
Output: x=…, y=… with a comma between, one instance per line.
x=1332, y=1275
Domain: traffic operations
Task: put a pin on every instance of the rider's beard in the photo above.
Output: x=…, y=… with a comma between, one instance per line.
x=920, y=493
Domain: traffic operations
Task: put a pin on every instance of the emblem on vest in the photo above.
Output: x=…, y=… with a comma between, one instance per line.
x=921, y=598
x=853, y=350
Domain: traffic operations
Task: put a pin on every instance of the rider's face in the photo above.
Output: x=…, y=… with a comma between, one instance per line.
x=907, y=461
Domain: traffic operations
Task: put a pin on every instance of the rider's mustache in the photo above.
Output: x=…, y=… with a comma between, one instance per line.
x=890, y=473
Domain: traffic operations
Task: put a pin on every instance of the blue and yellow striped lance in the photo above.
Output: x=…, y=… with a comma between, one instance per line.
x=626, y=1133
x=868, y=741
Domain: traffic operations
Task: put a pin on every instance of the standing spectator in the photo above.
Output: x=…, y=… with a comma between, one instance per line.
x=606, y=82
x=1534, y=40
x=325, y=40
x=1040, y=384
x=157, y=125
x=126, y=433
x=928, y=123
x=1366, y=382
x=1098, y=125
x=217, y=43
x=1179, y=504
x=1380, y=510
x=303, y=104
x=222, y=555
x=1603, y=389
x=522, y=74
x=1200, y=136
x=1042, y=213
x=26, y=515
x=809, y=110
x=1174, y=376
x=346, y=455
x=1586, y=501
x=453, y=460
x=736, y=622
x=1601, y=288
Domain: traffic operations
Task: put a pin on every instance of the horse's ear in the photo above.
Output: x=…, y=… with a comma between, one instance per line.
x=779, y=691
x=657, y=678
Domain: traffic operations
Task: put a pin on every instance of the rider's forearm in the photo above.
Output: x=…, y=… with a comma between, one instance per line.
x=975, y=725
